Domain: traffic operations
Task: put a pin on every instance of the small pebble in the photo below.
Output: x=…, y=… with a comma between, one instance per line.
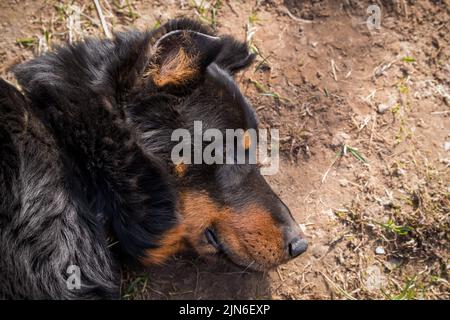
x=380, y=250
x=382, y=108
x=318, y=251
x=339, y=138
x=386, y=202
x=447, y=145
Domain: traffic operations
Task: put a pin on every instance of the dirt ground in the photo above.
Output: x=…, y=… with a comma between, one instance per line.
x=364, y=123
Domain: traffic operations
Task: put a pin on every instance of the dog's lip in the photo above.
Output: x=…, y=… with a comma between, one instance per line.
x=213, y=240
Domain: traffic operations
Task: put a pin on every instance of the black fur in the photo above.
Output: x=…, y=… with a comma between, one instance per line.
x=45, y=222
x=85, y=152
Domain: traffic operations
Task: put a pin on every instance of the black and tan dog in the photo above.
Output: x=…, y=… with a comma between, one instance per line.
x=85, y=153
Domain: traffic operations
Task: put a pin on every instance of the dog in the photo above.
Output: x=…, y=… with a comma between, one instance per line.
x=86, y=155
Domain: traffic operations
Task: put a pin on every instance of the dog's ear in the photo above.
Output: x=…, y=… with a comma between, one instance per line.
x=181, y=57
x=234, y=55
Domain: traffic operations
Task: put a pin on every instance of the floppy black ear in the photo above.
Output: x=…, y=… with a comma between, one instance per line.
x=234, y=56
x=181, y=57
x=186, y=48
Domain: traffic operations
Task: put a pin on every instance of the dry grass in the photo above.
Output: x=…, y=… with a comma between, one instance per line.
x=412, y=228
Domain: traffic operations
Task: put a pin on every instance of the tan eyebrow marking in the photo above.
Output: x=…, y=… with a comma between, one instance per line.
x=246, y=140
x=180, y=169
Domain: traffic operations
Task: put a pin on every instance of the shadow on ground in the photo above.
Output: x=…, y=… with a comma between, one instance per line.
x=190, y=277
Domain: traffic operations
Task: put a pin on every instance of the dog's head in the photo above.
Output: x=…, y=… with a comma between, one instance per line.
x=224, y=208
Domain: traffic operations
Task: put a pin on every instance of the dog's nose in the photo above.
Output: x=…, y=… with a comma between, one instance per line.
x=297, y=246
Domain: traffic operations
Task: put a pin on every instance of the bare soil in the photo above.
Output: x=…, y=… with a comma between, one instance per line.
x=364, y=123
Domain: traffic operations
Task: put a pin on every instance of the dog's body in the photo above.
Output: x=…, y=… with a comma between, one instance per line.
x=46, y=221
x=86, y=153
